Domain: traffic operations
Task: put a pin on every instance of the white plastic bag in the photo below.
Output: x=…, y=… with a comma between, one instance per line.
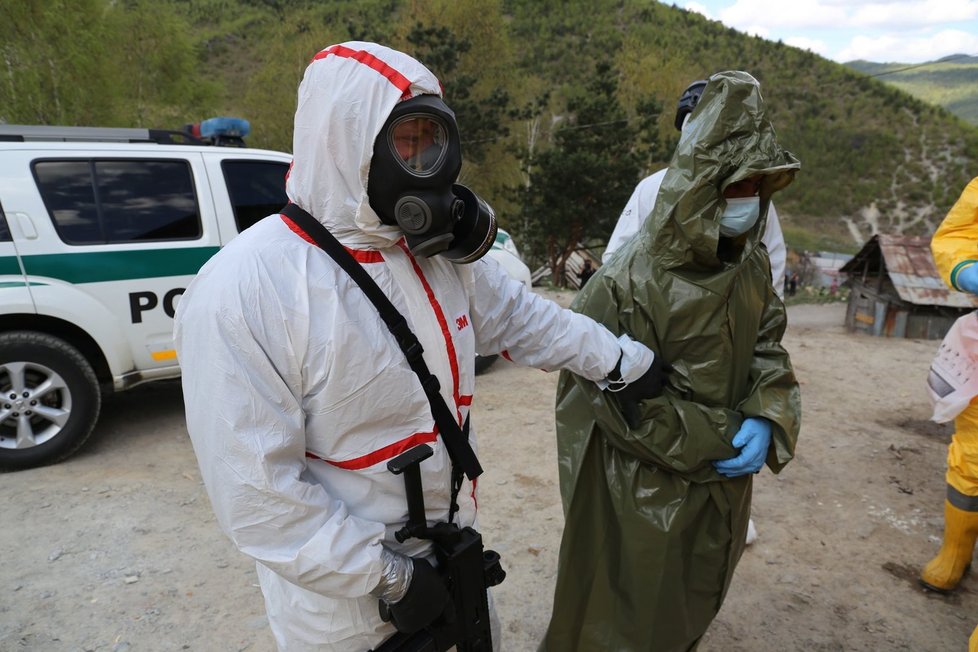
x=953, y=379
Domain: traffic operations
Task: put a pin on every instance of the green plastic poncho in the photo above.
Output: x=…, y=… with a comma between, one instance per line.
x=653, y=533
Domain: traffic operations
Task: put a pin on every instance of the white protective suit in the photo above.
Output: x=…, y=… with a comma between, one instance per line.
x=640, y=205
x=297, y=395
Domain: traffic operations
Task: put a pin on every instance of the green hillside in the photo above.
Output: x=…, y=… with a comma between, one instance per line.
x=548, y=93
x=951, y=82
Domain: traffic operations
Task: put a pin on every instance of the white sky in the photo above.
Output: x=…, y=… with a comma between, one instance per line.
x=903, y=31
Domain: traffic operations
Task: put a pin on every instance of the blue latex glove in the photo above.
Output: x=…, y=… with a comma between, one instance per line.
x=753, y=440
x=967, y=279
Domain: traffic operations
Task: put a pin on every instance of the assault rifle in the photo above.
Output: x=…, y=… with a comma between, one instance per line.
x=468, y=571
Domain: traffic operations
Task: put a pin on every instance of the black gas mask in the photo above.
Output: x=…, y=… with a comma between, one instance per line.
x=688, y=101
x=411, y=185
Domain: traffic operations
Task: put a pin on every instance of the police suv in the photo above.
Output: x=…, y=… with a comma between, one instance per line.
x=101, y=230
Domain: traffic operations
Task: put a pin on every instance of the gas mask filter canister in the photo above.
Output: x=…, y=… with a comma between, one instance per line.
x=411, y=184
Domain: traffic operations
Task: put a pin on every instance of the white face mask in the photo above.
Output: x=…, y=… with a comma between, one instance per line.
x=739, y=216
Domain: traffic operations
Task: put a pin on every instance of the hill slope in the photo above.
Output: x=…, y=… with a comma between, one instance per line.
x=874, y=157
x=951, y=82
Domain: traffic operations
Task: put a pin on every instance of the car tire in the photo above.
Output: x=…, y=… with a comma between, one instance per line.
x=49, y=399
x=483, y=362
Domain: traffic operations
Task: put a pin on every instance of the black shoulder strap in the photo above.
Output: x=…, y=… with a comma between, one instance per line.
x=456, y=441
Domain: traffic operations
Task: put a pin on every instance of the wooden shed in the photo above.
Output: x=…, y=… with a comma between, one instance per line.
x=573, y=266
x=896, y=290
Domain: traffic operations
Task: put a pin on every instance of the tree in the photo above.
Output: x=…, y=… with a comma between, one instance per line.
x=99, y=63
x=159, y=66
x=578, y=186
x=49, y=47
x=479, y=116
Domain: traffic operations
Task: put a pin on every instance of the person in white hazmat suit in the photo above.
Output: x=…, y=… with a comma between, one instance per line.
x=640, y=204
x=296, y=393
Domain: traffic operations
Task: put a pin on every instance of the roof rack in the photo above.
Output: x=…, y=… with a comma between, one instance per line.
x=37, y=133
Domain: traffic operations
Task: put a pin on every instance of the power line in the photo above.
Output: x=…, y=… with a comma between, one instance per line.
x=562, y=127
x=627, y=120
x=921, y=65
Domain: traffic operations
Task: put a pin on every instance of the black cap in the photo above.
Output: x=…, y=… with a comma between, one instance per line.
x=688, y=101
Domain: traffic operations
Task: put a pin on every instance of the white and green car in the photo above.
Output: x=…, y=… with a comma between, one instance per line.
x=101, y=230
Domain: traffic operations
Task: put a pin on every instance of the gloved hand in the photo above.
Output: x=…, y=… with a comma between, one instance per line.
x=967, y=279
x=753, y=440
x=648, y=385
x=639, y=374
x=424, y=599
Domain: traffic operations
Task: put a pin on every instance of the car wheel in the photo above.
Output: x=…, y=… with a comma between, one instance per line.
x=483, y=362
x=49, y=399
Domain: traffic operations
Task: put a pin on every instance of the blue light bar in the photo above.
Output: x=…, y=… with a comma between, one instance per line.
x=224, y=127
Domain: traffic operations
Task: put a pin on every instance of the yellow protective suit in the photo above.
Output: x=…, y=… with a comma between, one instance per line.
x=955, y=247
x=955, y=244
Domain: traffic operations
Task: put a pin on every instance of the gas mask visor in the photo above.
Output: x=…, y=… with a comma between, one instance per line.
x=420, y=143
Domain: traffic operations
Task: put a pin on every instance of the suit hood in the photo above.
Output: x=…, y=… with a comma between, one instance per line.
x=347, y=92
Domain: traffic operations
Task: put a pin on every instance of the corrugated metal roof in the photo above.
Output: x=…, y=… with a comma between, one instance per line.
x=911, y=268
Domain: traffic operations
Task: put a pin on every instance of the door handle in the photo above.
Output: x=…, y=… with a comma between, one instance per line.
x=25, y=224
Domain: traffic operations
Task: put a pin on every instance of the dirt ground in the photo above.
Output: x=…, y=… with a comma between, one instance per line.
x=116, y=549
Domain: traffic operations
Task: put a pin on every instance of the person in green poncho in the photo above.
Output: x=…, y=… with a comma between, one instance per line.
x=657, y=494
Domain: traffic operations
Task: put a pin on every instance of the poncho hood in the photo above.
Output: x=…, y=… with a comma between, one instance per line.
x=728, y=138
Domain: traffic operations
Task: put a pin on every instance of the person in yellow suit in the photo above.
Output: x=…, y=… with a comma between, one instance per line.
x=955, y=249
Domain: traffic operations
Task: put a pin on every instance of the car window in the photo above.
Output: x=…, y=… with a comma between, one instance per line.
x=107, y=201
x=256, y=188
